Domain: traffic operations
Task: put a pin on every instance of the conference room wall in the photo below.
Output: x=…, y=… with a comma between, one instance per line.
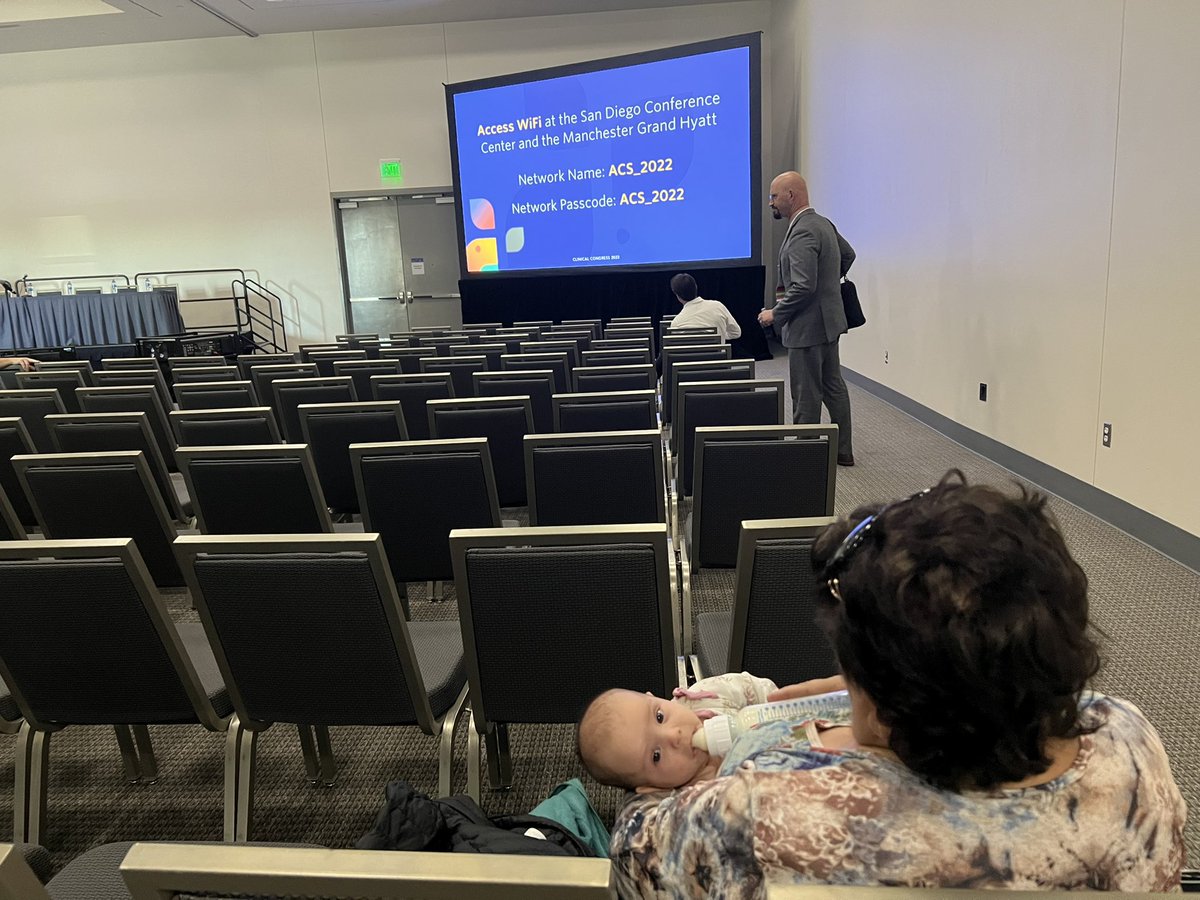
x=218, y=152
x=173, y=155
x=1018, y=180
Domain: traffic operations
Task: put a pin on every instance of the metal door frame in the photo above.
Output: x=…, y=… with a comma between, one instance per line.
x=338, y=196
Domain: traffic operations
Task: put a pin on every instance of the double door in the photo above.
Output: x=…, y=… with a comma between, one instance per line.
x=400, y=262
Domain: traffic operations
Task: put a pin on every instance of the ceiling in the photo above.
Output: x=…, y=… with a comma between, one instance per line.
x=60, y=24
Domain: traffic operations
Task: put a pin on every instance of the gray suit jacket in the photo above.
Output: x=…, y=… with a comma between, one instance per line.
x=812, y=261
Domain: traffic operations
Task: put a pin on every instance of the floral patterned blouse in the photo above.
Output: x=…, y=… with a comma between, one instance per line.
x=786, y=810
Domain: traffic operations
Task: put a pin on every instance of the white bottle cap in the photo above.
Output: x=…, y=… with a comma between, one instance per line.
x=715, y=737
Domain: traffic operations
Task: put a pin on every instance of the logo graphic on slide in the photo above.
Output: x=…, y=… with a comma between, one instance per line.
x=481, y=253
x=482, y=215
x=514, y=240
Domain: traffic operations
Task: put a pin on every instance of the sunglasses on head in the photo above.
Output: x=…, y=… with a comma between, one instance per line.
x=854, y=540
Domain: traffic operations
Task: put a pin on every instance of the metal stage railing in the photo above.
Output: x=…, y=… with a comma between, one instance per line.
x=257, y=310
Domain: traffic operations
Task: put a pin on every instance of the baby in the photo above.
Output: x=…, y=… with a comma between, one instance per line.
x=643, y=743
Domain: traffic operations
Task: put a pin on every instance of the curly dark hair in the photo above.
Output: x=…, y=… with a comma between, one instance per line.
x=964, y=618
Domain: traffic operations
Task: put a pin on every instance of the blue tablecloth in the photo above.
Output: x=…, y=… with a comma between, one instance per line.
x=54, y=320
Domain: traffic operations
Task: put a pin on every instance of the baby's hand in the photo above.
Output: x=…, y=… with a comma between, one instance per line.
x=684, y=694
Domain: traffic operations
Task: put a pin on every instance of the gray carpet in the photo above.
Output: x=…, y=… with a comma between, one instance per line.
x=1146, y=604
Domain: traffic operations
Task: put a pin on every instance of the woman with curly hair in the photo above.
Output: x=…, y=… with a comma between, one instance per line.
x=971, y=753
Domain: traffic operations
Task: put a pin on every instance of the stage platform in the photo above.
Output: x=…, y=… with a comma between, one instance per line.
x=56, y=320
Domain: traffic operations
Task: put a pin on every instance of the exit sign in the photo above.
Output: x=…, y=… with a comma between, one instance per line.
x=390, y=171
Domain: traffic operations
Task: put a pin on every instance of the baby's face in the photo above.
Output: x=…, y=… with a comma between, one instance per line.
x=651, y=741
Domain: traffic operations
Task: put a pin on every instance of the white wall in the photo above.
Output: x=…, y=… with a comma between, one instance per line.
x=224, y=152
x=1018, y=180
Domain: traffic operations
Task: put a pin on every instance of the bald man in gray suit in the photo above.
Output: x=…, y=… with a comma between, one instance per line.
x=810, y=319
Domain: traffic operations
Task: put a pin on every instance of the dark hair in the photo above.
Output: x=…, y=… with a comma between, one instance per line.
x=964, y=618
x=683, y=286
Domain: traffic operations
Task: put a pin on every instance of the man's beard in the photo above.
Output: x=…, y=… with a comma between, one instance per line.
x=776, y=213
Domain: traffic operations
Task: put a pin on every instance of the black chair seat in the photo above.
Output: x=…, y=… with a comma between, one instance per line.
x=200, y=652
x=713, y=630
x=439, y=650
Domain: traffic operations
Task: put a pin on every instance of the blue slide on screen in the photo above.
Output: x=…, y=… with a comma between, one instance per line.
x=632, y=165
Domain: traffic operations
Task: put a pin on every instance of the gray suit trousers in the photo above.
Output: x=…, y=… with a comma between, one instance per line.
x=816, y=376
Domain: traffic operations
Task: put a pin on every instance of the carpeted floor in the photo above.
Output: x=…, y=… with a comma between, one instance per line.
x=1146, y=604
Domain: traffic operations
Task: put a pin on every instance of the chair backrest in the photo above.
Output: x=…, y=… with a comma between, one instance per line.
x=330, y=428
x=539, y=324
x=260, y=489
x=691, y=340
x=360, y=371
x=638, y=343
x=536, y=384
x=413, y=392
x=672, y=355
x=461, y=369
x=629, y=356
x=408, y=357
x=558, y=363
x=604, y=411
x=491, y=351
x=117, y=363
x=289, y=393
x=442, y=343
x=583, y=608
x=102, y=495
x=193, y=374
x=339, y=651
x=246, y=361
x=98, y=432
x=414, y=493
x=402, y=338
x=504, y=421
x=597, y=478
x=757, y=472
x=630, y=331
x=133, y=398
x=595, y=326
x=371, y=345
x=306, y=350
x=89, y=641
x=65, y=381
x=571, y=348
x=356, y=337
x=32, y=407
x=225, y=427
x=775, y=631
x=215, y=394
x=720, y=404
x=708, y=370
x=15, y=440
x=83, y=366
x=596, y=379
x=135, y=377
x=11, y=527
x=158, y=871
x=262, y=377
x=192, y=362
x=325, y=359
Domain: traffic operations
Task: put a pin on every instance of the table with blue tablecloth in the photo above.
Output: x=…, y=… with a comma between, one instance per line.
x=57, y=320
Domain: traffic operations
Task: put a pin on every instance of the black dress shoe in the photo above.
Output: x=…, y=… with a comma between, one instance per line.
x=846, y=460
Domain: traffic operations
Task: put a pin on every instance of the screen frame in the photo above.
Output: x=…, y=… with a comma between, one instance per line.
x=752, y=41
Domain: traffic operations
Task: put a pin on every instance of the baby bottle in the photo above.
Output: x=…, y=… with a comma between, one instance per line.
x=717, y=734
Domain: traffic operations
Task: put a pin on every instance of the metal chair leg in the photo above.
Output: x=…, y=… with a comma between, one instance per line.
x=325, y=756
x=309, y=748
x=39, y=766
x=245, y=786
x=21, y=784
x=147, y=764
x=133, y=771
x=233, y=737
x=499, y=758
x=474, y=752
x=449, y=728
